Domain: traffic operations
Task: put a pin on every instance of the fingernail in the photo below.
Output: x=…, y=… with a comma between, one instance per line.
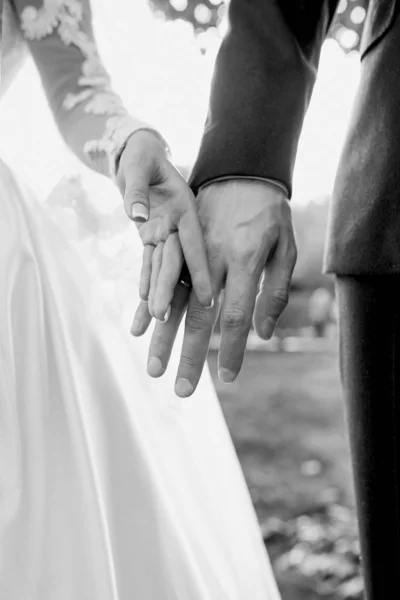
x=139, y=213
x=183, y=388
x=136, y=326
x=268, y=327
x=155, y=367
x=167, y=314
x=226, y=375
x=211, y=304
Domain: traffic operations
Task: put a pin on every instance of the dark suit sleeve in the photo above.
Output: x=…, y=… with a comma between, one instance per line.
x=263, y=79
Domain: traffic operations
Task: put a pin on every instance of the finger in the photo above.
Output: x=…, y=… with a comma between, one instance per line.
x=145, y=274
x=156, y=262
x=142, y=320
x=164, y=334
x=171, y=266
x=199, y=326
x=275, y=286
x=192, y=242
x=152, y=232
x=136, y=196
x=236, y=316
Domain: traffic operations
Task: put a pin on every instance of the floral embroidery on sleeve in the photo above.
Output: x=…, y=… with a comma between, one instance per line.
x=65, y=17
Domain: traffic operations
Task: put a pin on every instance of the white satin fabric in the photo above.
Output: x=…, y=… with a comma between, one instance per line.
x=110, y=487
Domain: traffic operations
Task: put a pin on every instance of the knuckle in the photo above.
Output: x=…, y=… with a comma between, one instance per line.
x=243, y=251
x=147, y=236
x=234, y=318
x=148, y=233
x=196, y=320
x=158, y=339
x=136, y=193
x=279, y=299
x=188, y=362
x=163, y=229
x=245, y=257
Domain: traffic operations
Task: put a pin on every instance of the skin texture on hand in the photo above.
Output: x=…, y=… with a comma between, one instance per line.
x=251, y=252
x=159, y=201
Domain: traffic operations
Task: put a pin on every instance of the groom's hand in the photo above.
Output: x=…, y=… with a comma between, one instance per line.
x=249, y=238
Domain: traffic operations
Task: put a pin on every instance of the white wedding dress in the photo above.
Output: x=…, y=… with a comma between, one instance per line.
x=110, y=487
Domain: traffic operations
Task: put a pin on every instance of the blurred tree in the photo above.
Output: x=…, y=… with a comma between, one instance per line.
x=207, y=15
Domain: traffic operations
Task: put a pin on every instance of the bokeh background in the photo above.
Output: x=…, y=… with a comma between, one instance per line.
x=285, y=411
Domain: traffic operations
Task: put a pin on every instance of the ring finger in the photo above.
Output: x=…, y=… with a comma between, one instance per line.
x=156, y=263
x=171, y=266
x=145, y=274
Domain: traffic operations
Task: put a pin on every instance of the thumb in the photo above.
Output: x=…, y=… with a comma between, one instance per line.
x=136, y=196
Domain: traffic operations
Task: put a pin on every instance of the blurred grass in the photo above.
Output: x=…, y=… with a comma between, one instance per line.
x=286, y=417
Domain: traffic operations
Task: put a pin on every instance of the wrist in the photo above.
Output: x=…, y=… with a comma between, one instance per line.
x=141, y=136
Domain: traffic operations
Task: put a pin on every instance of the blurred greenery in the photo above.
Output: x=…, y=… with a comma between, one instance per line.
x=286, y=417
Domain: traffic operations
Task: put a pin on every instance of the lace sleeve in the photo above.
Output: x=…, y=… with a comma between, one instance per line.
x=89, y=114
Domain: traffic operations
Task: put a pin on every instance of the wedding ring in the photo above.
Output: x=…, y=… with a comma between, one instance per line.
x=185, y=279
x=186, y=284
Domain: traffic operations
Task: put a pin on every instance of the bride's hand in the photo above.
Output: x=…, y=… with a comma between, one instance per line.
x=161, y=272
x=159, y=201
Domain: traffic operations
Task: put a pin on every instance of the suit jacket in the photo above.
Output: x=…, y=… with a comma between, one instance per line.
x=264, y=76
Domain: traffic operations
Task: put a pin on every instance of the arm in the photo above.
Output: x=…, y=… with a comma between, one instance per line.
x=264, y=75
x=97, y=127
x=263, y=79
x=88, y=113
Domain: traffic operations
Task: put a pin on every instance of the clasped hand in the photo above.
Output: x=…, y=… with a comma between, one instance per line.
x=241, y=241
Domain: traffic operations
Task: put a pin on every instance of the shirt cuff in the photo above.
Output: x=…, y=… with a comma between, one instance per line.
x=275, y=182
